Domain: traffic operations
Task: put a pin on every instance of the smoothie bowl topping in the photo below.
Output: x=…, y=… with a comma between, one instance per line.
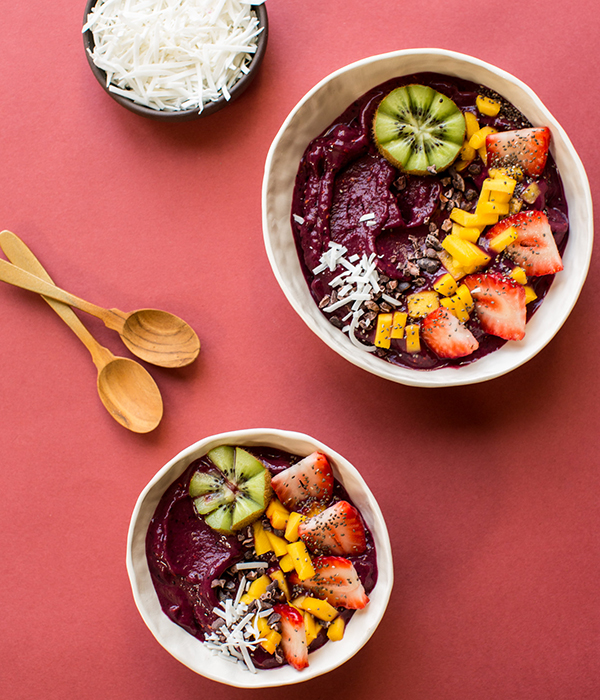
x=261, y=555
x=430, y=219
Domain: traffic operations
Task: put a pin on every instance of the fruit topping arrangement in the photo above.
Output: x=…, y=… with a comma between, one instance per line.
x=261, y=555
x=430, y=219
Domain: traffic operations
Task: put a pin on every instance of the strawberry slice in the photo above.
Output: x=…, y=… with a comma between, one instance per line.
x=335, y=581
x=524, y=148
x=336, y=530
x=446, y=335
x=534, y=248
x=305, y=484
x=293, y=636
x=499, y=304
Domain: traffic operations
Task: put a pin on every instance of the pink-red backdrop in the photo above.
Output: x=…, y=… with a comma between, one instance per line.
x=490, y=492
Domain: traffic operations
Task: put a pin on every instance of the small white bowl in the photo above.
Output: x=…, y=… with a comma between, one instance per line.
x=189, y=650
x=327, y=100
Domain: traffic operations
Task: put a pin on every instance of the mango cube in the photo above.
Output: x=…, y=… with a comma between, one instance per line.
x=469, y=219
x=258, y=586
x=492, y=207
x=413, y=339
x=467, y=152
x=384, y=330
x=278, y=514
x=422, y=303
x=302, y=560
x=530, y=193
x=456, y=307
x=279, y=576
x=261, y=541
x=319, y=608
x=311, y=627
x=445, y=285
x=286, y=563
x=456, y=270
x=335, y=631
x=465, y=253
x=499, y=183
x=464, y=294
x=278, y=544
x=291, y=529
x=469, y=233
x=271, y=641
x=519, y=275
x=487, y=106
x=530, y=295
x=499, y=242
x=477, y=141
x=472, y=124
x=398, y=322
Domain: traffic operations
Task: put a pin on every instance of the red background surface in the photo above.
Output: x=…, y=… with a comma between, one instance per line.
x=490, y=492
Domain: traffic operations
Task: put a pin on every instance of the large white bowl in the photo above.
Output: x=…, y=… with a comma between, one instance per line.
x=319, y=107
x=189, y=650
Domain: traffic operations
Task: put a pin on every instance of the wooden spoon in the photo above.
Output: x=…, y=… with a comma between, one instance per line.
x=155, y=336
x=125, y=388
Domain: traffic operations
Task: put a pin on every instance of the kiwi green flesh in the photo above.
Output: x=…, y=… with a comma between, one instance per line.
x=223, y=458
x=211, y=501
x=220, y=520
x=246, y=465
x=205, y=482
x=418, y=129
x=245, y=511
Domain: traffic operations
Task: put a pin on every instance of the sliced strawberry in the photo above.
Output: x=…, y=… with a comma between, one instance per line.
x=535, y=248
x=499, y=304
x=335, y=581
x=524, y=148
x=293, y=636
x=305, y=484
x=446, y=335
x=336, y=530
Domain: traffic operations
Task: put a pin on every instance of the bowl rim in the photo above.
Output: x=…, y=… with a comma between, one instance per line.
x=542, y=327
x=160, y=625
x=185, y=114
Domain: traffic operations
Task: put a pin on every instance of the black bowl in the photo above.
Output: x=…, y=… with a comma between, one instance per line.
x=184, y=114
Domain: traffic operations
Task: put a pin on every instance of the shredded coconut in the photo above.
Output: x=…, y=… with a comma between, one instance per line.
x=173, y=54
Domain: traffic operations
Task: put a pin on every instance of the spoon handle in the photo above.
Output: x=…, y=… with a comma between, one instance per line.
x=112, y=318
x=21, y=256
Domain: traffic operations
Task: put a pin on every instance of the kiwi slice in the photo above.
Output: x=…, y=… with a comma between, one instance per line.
x=232, y=491
x=418, y=129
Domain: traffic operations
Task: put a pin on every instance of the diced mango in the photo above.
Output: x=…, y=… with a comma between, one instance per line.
x=469, y=233
x=519, y=275
x=398, y=323
x=291, y=529
x=499, y=242
x=472, y=124
x=384, y=329
x=460, y=165
x=530, y=295
x=515, y=205
x=500, y=182
x=464, y=294
x=298, y=602
x=513, y=172
x=456, y=270
x=335, y=631
x=492, y=207
x=279, y=576
x=246, y=599
x=278, y=514
x=261, y=541
x=487, y=106
x=466, y=253
x=467, y=152
x=469, y=219
x=413, y=340
x=531, y=193
x=319, y=608
x=275, y=504
x=445, y=285
x=286, y=563
x=278, y=544
x=259, y=586
x=271, y=642
x=311, y=627
x=456, y=307
x=302, y=560
x=422, y=303
x=477, y=141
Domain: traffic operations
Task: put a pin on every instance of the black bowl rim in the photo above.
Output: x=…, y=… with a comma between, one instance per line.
x=186, y=114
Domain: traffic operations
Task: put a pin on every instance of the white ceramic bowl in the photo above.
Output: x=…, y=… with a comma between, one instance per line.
x=319, y=107
x=189, y=650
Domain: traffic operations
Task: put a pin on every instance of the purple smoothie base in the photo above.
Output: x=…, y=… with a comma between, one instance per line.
x=342, y=177
x=185, y=555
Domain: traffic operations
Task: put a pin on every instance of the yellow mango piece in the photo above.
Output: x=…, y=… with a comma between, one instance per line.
x=519, y=275
x=275, y=505
x=298, y=602
x=460, y=165
x=398, y=323
x=457, y=271
x=477, y=141
x=383, y=332
x=246, y=598
x=261, y=541
x=514, y=172
x=472, y=124
x=311, y=627
x=466, y=253
x=467, y=152
x=335, y=631
x=469, y=219
x=291, y=529
x=530, y=295
x=279, y=520
x=500, y=197
x=279, y=576
x=422, y=303
x=492, y=207
x=460, y=309
x=515, y=205
x=271, y=642
x=413, y=339
x=464, y=294
x=469, y=233
x=499, y=242
x=302, y=560
x=530, y=193
x=259, y=586
x=319, y=608
x=262, y=625
x=286, y=563
x=278, y=544
x=500, y=182
x=487, y=106
x=445, y=285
